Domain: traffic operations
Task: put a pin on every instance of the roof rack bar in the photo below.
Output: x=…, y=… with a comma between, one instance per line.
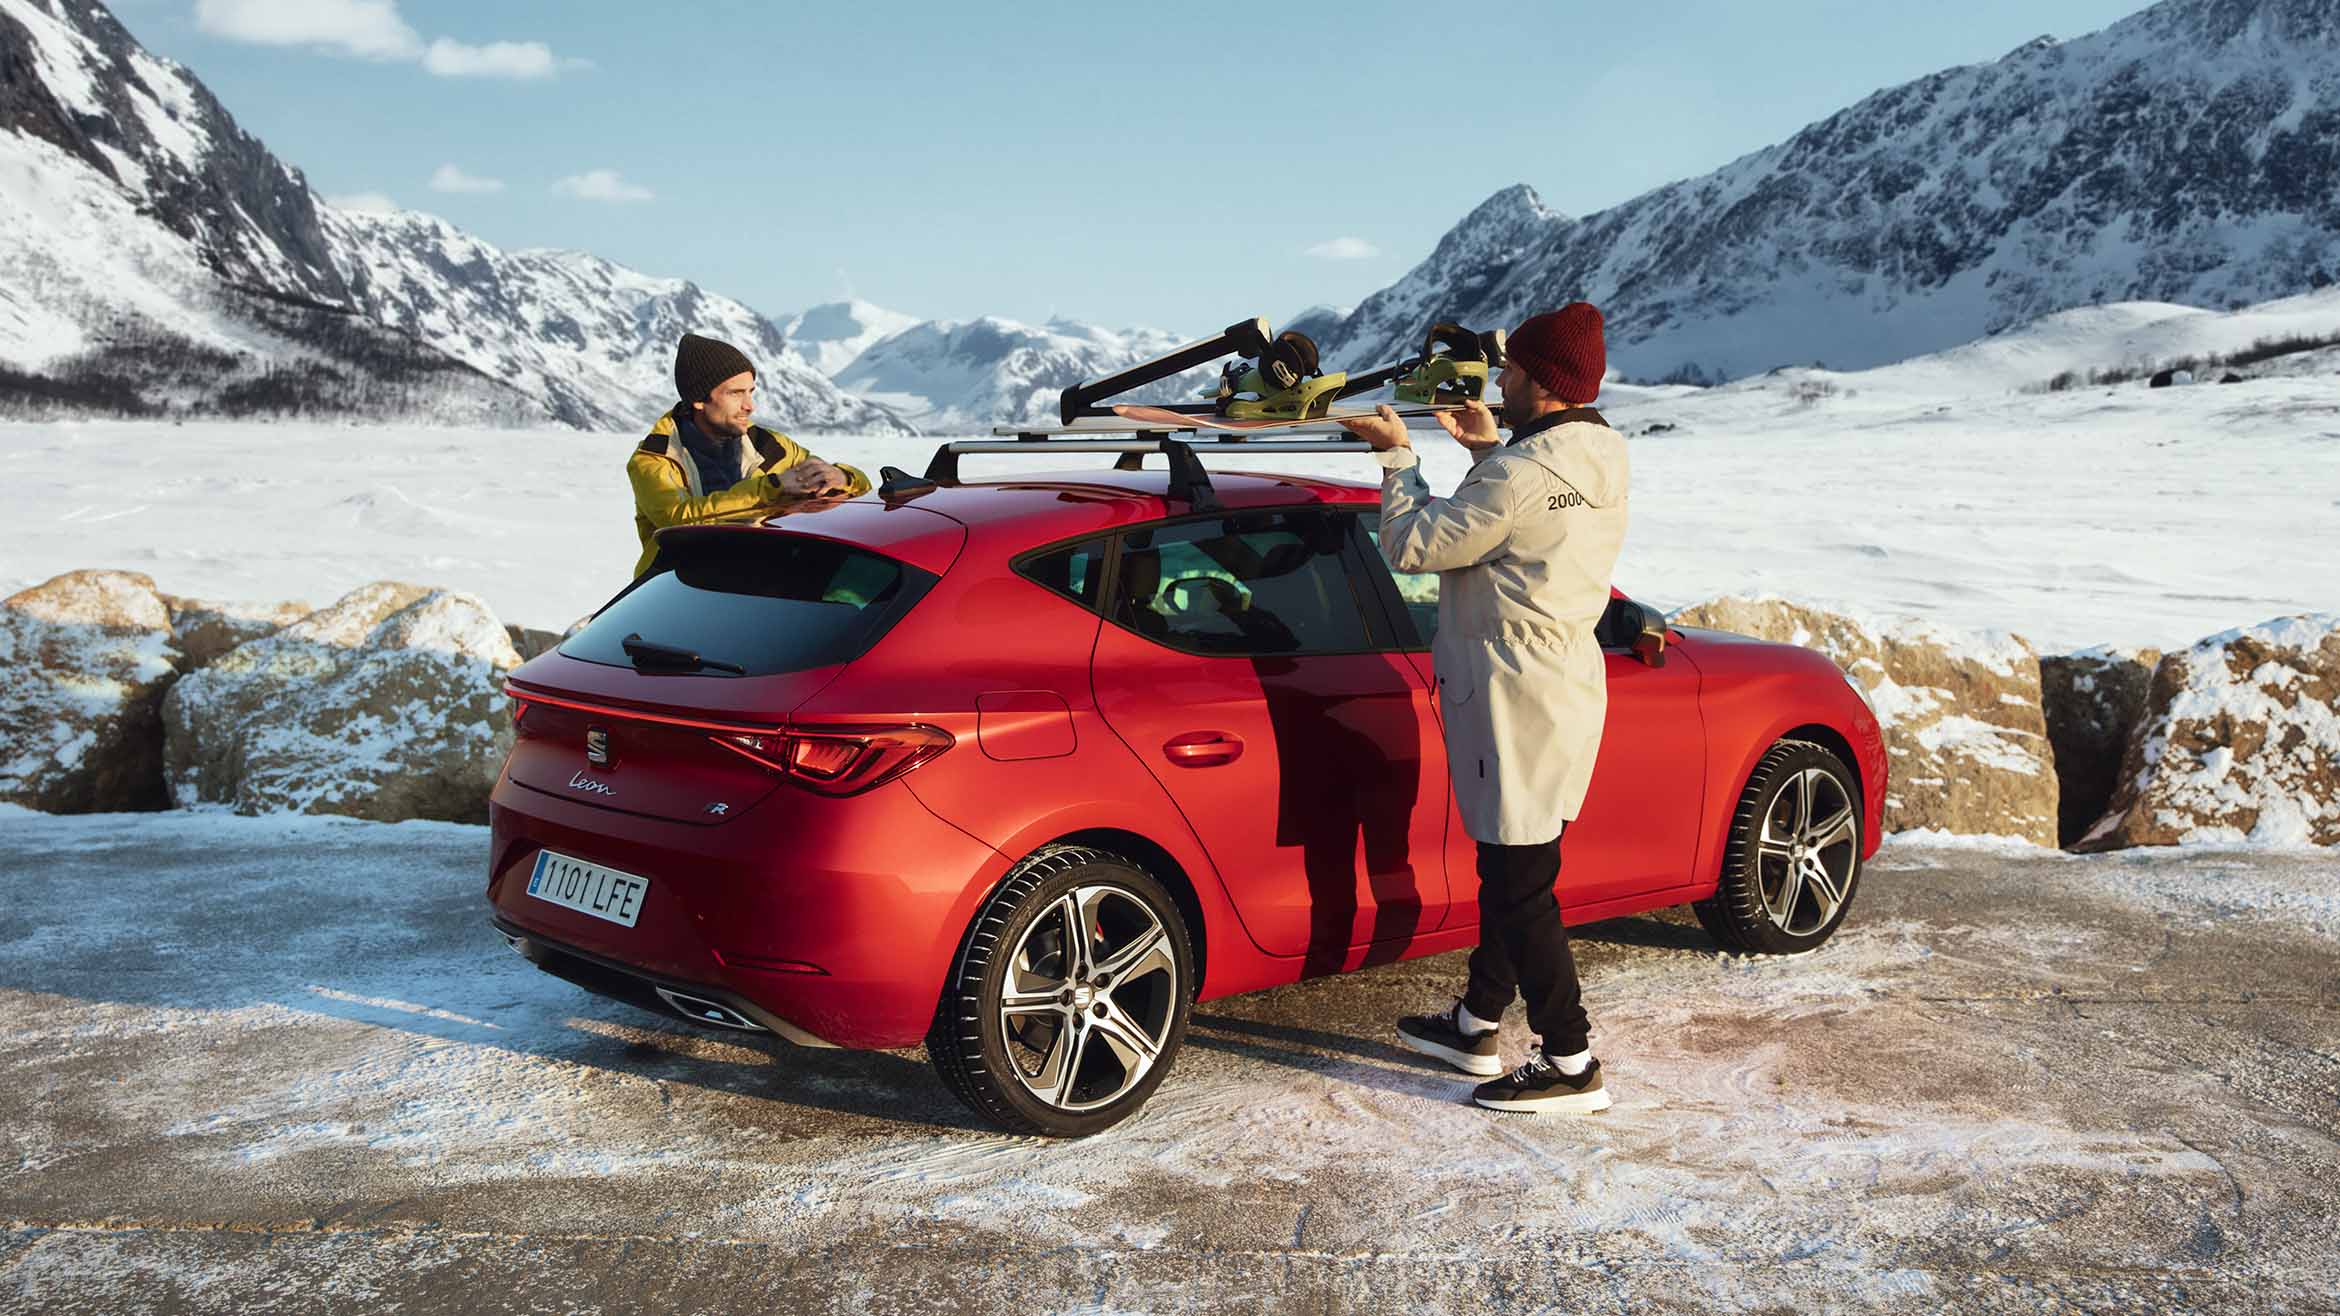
x=1190, y=482
x=1153, y=444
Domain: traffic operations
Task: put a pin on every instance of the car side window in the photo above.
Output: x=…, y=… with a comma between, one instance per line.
x=1075, y=571
x=1266, y=582
x=1417, y=590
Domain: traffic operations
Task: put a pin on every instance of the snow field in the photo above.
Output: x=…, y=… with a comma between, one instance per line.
x=2103, y=516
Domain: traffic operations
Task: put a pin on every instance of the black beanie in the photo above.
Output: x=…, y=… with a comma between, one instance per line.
x=702, y=363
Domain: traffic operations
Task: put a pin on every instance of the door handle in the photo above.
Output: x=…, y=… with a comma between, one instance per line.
x=1203, y=749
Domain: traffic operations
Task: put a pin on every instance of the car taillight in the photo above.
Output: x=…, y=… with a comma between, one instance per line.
x=520, y=708
x=839, y=760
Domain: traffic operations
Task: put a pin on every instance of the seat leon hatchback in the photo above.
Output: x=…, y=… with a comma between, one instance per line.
x=1023, y=768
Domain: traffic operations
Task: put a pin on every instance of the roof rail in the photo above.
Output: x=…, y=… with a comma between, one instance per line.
x=1189, y=481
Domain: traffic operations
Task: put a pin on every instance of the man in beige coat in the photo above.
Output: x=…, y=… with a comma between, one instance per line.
x=1524, y=550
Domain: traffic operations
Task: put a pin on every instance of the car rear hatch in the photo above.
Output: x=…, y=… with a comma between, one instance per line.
x=674, y=701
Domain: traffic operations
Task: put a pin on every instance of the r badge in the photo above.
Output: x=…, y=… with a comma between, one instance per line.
x=597, y=746
x=719, y=808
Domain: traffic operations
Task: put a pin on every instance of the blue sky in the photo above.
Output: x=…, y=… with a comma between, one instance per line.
x=1140, y=164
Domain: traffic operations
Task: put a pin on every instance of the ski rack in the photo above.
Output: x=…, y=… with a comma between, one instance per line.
x=1246, y=338
x=1190, y=482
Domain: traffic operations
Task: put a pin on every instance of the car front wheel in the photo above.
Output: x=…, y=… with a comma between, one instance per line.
x=1794, y=856
x=1069, y=997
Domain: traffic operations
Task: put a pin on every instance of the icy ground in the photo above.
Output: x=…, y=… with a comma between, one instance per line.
x=2103, y=516
x=260, y=1065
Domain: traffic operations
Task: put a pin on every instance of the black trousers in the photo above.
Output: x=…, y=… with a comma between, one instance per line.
x=1523, y=947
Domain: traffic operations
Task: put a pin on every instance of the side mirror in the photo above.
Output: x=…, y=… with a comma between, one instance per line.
x=1649, y=643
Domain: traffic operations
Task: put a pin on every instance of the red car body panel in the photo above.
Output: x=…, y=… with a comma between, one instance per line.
x=1327, y=840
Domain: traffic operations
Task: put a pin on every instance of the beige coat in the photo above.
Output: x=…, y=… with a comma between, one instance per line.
x=1524, y=551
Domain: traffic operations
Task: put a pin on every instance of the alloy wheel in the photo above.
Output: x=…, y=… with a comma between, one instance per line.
x=1807, y=851
x=1090, y=998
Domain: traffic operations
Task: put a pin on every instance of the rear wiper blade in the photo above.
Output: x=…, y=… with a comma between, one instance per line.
x=650, y=653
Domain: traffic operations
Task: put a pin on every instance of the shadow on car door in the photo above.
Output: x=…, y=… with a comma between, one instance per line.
x=1242, y=669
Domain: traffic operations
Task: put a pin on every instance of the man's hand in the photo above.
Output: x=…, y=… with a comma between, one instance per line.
x=1473, y=427
x=1382, y=429
x=812, y=478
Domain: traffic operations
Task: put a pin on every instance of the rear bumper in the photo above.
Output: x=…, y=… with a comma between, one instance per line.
x=831, y=922
x=679, y=1000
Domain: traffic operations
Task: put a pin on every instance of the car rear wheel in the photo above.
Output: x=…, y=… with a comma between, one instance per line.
x=1069, y=997
x=1794, y=856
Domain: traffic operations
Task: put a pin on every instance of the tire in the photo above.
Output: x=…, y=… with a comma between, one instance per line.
x=1000, y=1032
x=1793, y=861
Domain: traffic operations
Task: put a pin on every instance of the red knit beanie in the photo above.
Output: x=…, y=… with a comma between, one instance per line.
x=1562, y=350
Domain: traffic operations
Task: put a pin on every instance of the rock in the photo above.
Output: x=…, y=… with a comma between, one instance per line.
x=529, y=642
x=2240, y=742
x=2093, y=702
x=84, y=660
x=204, y=629
x=387, y=705
x=1965, y=736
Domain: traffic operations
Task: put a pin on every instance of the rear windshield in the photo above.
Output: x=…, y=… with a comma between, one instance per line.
x=760, y=603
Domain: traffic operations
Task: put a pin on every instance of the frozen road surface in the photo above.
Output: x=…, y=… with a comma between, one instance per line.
x=284, y=1066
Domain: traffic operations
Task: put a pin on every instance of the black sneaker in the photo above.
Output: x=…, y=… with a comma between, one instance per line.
x=1539, y=1088
x=1437, y=1035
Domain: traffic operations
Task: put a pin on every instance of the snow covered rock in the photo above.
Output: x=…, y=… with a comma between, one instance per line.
x=2240, y=742
x=386, y=705
x=2093, y=701
x=1965, y=735
x=203, y=629
x=84, y=660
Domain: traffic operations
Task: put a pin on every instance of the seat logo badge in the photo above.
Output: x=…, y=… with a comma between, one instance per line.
x=719, y=808
x=590, y=786
x=597, y=746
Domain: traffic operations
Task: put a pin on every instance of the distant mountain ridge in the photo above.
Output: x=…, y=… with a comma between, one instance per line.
x=951, y=376
x=157, y=259
x=2184, y=154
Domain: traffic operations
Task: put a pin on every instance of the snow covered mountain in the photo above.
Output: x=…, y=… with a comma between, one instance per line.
x=2185, y=154
x=951, y=376
x=155, y=259
x=592, y=339
x=831, y=335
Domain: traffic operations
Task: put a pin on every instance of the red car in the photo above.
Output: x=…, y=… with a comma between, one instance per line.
x=1021, y=769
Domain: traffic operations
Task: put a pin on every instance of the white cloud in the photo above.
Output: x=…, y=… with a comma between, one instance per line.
x=496, y=59
x=1343, y=249
x=373, y=29
x=365, y=203
x=601, y=185
x=368, y=29
x=451, y=178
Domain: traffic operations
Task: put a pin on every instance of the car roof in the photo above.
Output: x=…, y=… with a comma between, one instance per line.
x=1021, y=510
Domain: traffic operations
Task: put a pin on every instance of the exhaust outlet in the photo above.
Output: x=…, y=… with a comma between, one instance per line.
x=704, y=1011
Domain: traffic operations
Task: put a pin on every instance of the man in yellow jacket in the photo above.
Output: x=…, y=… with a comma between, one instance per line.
x=703, y=462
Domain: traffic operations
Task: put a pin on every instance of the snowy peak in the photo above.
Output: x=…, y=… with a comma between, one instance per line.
x=965, y=376
x=155, y=259
x=831, y=335
x=71, y=76
x=591, y=337
x=2182, y=155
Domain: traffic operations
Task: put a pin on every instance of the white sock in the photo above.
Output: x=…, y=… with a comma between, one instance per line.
x=1571, y=1065
x=1470, y=1024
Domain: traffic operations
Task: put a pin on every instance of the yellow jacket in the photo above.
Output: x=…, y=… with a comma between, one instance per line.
x=667, y=491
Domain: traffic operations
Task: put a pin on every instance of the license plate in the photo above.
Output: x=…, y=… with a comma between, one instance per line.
x=605, y=893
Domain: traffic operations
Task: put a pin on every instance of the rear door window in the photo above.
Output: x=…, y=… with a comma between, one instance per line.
x=1266, y=582
x=758, y=602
